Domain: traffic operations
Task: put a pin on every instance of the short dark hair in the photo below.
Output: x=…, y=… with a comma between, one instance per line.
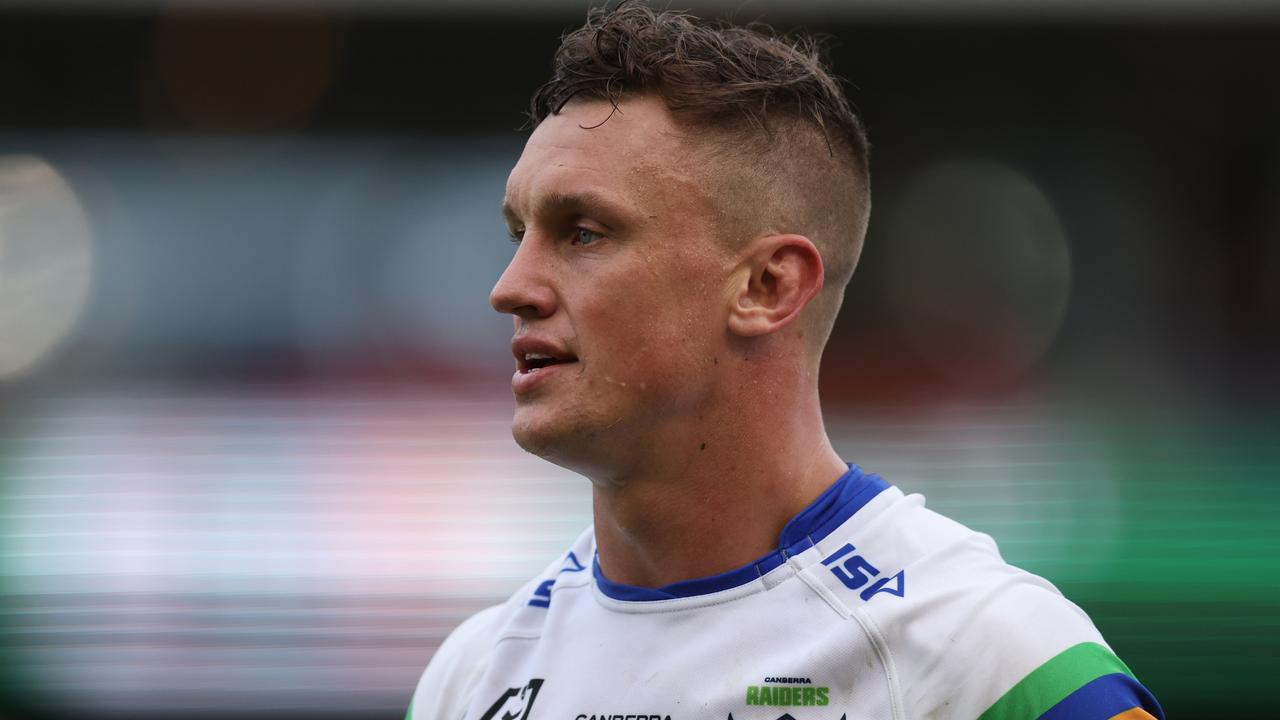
x=703, y=71
x=793, y=153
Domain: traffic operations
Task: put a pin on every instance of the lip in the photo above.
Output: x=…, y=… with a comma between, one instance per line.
x=526, y=379
x=524, y=382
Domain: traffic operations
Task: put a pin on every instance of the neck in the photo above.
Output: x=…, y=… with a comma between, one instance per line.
x=717, y=497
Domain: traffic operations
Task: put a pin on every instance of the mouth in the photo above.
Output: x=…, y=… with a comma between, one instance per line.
x=532, y=362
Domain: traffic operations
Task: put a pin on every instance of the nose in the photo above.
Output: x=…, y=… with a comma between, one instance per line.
x=524, y=289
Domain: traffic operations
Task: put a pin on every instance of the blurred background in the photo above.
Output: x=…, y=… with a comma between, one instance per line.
x=254, y=447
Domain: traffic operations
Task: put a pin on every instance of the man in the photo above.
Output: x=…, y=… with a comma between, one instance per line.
x=687, y=213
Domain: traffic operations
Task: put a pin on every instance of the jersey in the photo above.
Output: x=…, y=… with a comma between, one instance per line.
x=871, y=607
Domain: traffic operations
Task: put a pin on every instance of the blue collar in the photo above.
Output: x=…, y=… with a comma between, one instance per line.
x=832, y=508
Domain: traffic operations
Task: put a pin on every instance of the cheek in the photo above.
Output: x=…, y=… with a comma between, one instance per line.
x=697, y=312
x=663, y=333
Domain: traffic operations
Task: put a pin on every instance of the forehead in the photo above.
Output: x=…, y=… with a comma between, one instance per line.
x=633, y=150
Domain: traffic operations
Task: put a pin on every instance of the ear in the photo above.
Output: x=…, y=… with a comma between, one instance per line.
x=776, y=279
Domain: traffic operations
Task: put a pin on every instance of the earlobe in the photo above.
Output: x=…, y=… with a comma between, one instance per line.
x=779, y=276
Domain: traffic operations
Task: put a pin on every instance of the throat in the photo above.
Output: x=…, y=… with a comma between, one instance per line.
x=655, y=541
x=707, y=520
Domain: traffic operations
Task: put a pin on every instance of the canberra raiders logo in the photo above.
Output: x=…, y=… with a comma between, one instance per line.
x=515, y=703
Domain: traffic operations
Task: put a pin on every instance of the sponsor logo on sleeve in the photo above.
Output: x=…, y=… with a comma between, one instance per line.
x=855, y=573
x=542, y=596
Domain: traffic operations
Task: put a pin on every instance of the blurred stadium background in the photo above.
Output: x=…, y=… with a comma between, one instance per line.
x=254, y=452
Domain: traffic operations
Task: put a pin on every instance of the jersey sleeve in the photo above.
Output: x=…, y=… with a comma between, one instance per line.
x=1019, y=650
x=450, y=678
x=1085, y=681
x=974, y=637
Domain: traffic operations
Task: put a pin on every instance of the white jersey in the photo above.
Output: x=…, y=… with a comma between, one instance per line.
x=872, y=606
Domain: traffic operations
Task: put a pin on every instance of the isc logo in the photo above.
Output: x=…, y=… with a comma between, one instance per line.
x=855, y=572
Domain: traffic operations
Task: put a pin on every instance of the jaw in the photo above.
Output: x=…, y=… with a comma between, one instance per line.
x=637, y=416
x=576, y=439
x=611, y=450
x=544, y=427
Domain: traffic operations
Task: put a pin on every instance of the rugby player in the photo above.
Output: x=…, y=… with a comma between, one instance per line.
x=687, y=213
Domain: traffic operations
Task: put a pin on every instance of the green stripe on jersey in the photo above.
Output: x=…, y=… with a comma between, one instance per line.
x=1048, y=684
x=408, y=715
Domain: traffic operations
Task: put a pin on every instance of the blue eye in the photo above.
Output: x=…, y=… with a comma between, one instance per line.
x=584, y=236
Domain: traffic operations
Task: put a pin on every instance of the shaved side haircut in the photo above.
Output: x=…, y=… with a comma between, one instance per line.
x=778, y=147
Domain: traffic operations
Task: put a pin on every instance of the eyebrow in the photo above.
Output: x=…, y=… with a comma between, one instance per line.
x=587, y=202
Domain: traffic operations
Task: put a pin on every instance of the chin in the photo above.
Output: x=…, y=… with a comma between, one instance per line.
x=538, y=434
x=531, y=441
x=573, y=445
